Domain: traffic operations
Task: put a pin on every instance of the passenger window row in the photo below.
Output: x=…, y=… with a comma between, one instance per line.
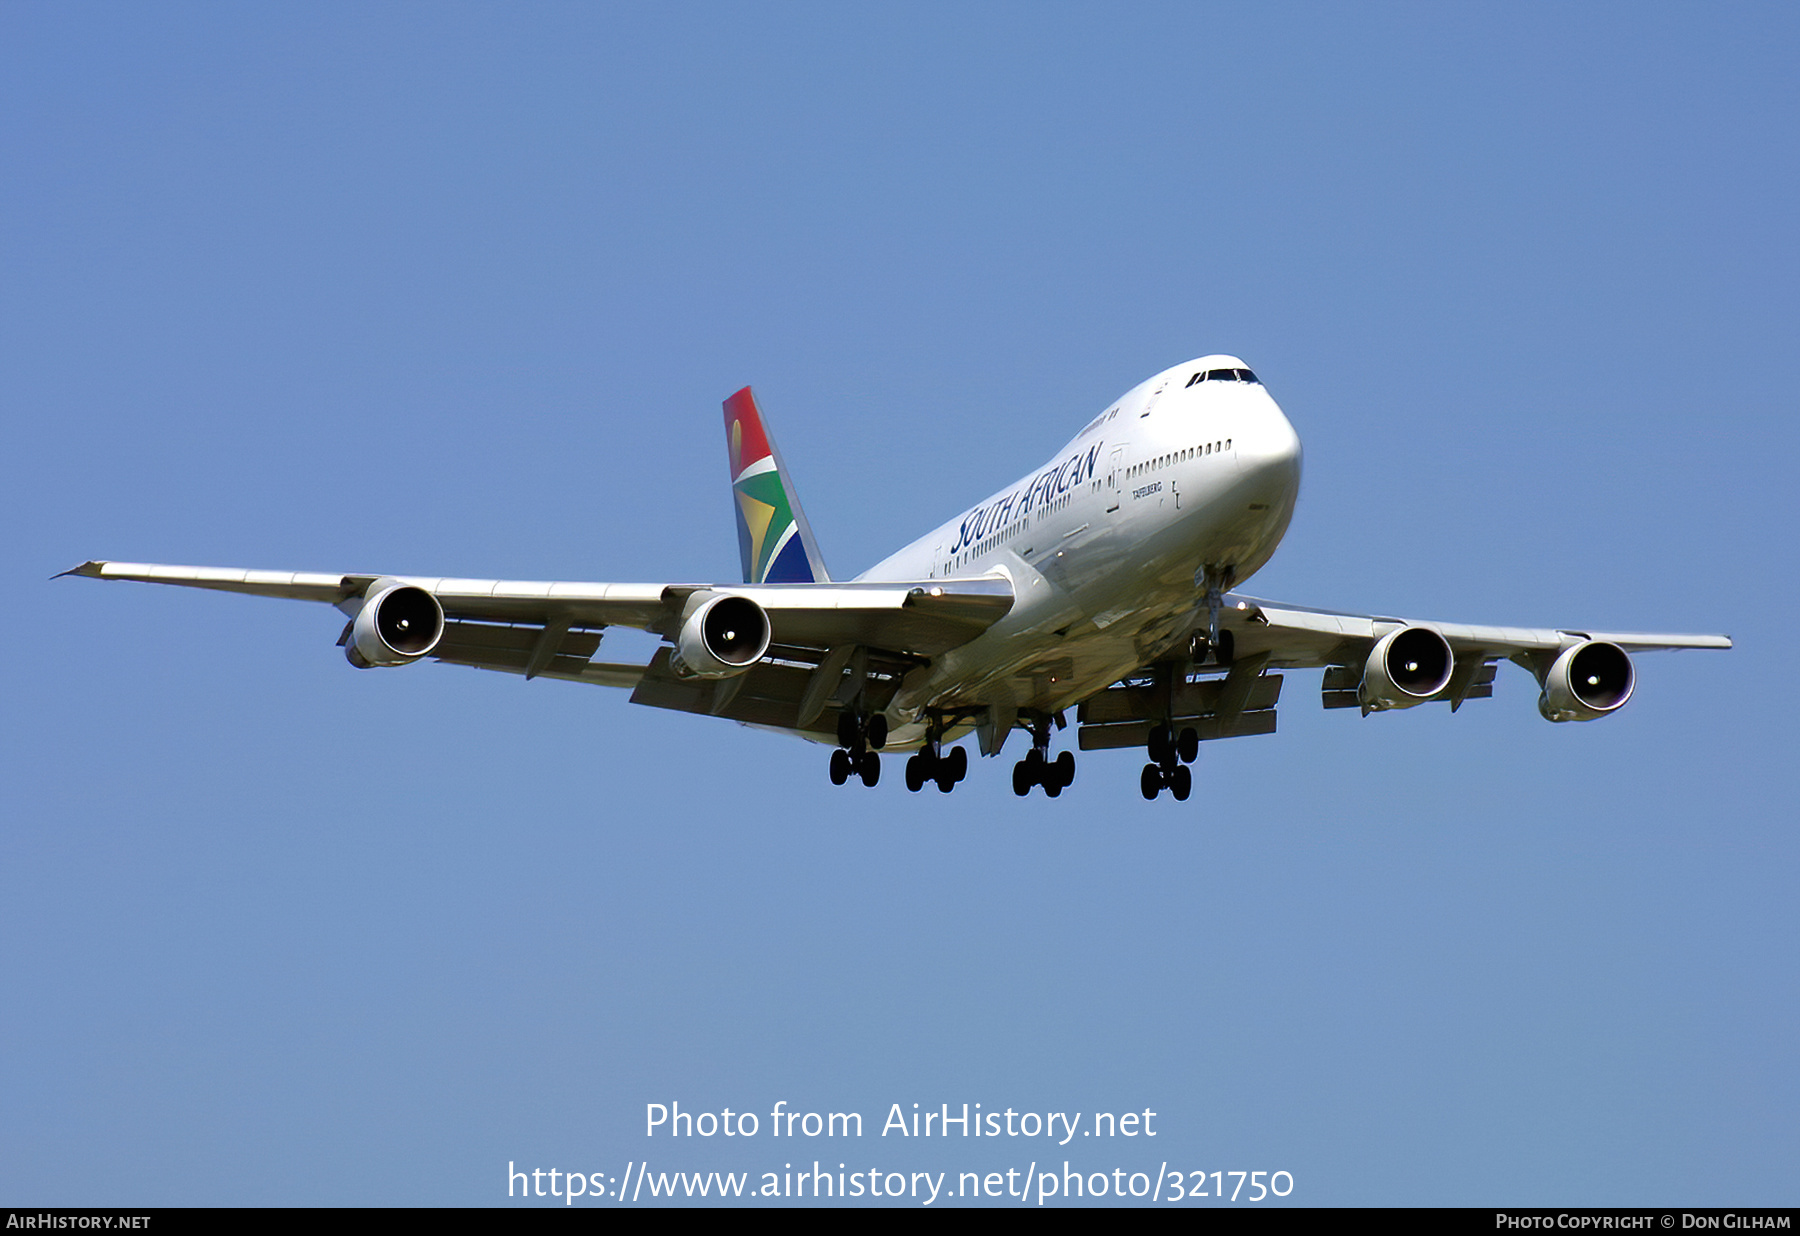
x=1011, y=530
x=1192, y=452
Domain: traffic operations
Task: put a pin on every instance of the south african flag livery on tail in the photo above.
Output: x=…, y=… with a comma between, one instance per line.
x=774, y=539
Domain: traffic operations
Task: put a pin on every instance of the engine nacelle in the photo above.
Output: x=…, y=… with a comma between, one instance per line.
x=1405, y=667
x=724, y=636
x=396, y=626
x=1586, y=681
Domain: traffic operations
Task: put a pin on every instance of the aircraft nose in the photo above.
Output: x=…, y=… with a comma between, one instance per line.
x=1269, y=449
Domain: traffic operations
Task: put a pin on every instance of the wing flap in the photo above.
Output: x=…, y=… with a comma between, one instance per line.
x=1338, y=688
x=492, y=646
x=768, y=694
x=1187, y=699
x=1137, y=733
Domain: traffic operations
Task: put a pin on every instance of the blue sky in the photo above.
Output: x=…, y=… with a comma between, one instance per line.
x=458, y=290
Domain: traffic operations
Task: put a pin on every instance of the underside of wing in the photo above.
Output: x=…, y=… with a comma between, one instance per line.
x=1371, y=662
x=1297, y=636
x=1377, y=663
x=790, y=654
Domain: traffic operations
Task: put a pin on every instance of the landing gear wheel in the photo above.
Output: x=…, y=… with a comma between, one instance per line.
x=846, y=730
x=1188, y=745
x=915, y=773
x=878, y=730
x=945, y=780
x=840, y=767
x=958, y=763
x=1150, y=782
x=1021, y=779
x=1181, y=782
x=1223, y=649
x=1065, y=768
x=869, y=768
x=1162, y=744
x=1053, y=786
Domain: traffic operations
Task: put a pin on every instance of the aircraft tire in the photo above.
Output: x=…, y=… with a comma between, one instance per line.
x=1188, y=745
x=915, y=774
x=840, y=767
x=846, y=730
x=869, y=768
x=878, y=731
x=1150, y=781
x=1181, y=783
x=1065, y=768
x=958, y=762
x=1162, y=745
x=1021, y=779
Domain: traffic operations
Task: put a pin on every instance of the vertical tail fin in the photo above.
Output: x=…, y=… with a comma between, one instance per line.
x=774, y=539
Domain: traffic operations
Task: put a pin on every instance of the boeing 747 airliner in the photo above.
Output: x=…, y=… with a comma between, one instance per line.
x=1099, y=584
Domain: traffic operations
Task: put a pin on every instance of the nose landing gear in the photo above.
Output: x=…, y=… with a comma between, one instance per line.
x=1213, y=643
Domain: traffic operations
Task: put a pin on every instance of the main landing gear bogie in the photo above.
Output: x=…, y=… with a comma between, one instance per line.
x=931, y=763
x=845, y=765
x=1178, y=780
x=1055, y=775
x=859, y=741
x=1170, y=755
x=1037, y=768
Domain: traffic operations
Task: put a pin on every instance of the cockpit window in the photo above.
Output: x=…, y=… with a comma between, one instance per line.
x=1223, y=375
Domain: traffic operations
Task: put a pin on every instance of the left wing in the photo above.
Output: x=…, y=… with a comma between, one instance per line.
x=770, y=654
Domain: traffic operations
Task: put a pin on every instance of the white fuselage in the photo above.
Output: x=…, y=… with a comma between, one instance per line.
x=1104, y=543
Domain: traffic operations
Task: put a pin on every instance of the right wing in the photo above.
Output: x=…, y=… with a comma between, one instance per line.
x=823, y=638
x=1582, y=674
x=1299, y=636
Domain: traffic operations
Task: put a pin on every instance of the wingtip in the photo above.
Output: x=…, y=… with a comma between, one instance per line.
x=91, y=570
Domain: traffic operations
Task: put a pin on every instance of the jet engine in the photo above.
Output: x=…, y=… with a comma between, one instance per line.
x=1405, y=667
x=396, y=626
x=724, y=636
x=1587, y=680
